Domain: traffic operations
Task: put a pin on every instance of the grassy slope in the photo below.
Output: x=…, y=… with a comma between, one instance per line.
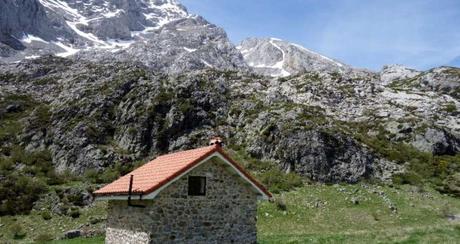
x=324, y=214
x=34, y=224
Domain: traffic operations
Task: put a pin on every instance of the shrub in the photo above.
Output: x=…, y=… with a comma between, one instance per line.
x=457, y=227
x=67, y=176
x=46, y=215
x=278, y=181
x=17, y=231
x=18, y=193
x=108, y=175
x=92, y=175
x=94, y=220
x=44, y=237
x=410, y=178
x=132, y=131
x=74, y=213
x=280, y=204
x=452, y=185
x=450, y=108
x=447, y=211
x=376, y=216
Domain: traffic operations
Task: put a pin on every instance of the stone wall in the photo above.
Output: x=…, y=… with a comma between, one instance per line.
x=227, y=214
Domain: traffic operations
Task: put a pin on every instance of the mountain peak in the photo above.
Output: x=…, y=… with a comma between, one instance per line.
x=159, y=33
x=394, y=72
x=278, y=58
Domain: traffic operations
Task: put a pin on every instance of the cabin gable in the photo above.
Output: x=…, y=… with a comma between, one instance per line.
x=225, y=213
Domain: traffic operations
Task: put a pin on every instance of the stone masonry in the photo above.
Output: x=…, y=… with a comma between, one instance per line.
x=227, y=214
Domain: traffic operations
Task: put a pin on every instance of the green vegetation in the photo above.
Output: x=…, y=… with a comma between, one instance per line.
x=422, y=196
x=423, y=168
x=94, y=240
x=406, y=83
x=268, y=173
x=110, y=174
x=20, y=188
x=450, y=108
x=34, y=227
x=327, y=214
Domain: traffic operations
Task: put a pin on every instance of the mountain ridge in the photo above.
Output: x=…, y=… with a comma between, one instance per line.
x=123, y=29
x=183, y=80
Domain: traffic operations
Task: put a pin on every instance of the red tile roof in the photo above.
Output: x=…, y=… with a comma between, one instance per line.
x=155, y=174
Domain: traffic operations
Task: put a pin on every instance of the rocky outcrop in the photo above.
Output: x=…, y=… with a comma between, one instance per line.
x=438, y=142
x=328, y=126
x=392, y=73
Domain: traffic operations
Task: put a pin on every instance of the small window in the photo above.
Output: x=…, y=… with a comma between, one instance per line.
x=196, y=186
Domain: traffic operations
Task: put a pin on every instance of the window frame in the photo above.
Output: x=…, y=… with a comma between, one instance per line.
x=197, y=192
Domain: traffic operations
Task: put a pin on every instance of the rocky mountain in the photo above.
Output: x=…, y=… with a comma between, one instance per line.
x=159, y=33
x=132, y=79
x=330, y=127
x=392, y=73
x=278, y=58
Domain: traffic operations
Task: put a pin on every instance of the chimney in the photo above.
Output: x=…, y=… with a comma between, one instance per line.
x=216, y=141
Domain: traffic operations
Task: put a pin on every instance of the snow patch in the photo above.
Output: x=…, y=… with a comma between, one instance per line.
x=113, y=14
x=31, y=38
x=190, y=50
x=207, y=64
x=118, y=45
x=280, y=64
x=88, y=36
x=69, y=51
x=32, y=57
x=57, y=4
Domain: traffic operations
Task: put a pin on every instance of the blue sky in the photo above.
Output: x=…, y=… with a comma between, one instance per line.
x=363, y=33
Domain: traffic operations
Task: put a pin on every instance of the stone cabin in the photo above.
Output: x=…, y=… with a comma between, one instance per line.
x=194, y=196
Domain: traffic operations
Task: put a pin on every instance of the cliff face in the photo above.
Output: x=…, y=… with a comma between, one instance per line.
x=132, y=79
x=325, y=126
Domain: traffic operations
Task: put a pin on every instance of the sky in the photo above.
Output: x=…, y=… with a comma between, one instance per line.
x=420, y=34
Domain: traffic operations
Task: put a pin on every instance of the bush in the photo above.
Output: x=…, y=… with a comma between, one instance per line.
x=452, y=185
x=94, y=220
x=46, y=215
x=410, y=178
x=447, y=211
x=74, y=213
x=278, y=181
x=44, y=237
x=280, y=204
x=18, y=193
x=450, y=108
x=17, y=231
x=92, y=175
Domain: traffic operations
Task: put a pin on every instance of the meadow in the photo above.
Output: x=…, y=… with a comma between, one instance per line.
x=315, y=213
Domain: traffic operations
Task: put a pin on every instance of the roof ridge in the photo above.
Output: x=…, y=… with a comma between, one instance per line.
x=184, y=151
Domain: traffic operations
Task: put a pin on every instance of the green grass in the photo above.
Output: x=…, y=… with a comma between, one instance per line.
x=316, y=214
x=326, y=214
x=34, y=224
x=94, y=240
x=406, y=236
